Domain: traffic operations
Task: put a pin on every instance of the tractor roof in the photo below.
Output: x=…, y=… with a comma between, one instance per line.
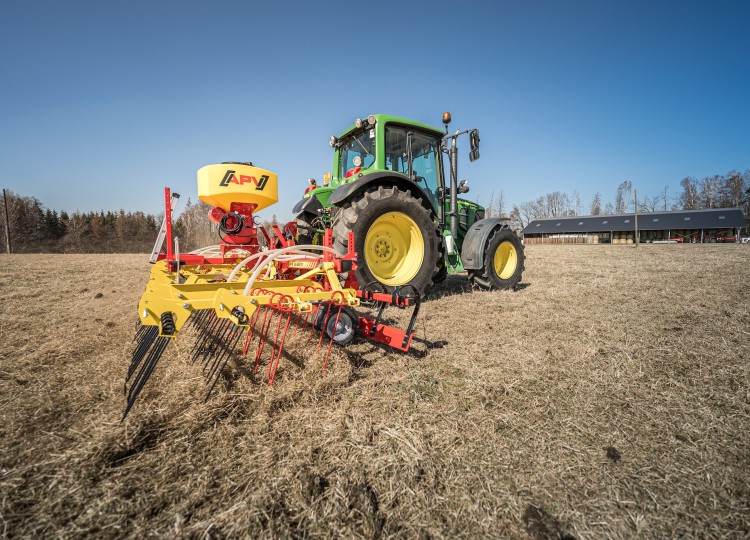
x=386, y=118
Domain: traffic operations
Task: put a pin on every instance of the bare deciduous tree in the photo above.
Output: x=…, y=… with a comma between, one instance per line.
x=623, y=197
x=516, y=220
x=689, y=198
x=596, y=205
x=576, y=204
x=733, y=190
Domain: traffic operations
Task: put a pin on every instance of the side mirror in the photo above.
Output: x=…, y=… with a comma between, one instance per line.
x=474, y=141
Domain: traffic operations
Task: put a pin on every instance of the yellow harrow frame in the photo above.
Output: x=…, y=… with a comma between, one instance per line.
x=226, y=301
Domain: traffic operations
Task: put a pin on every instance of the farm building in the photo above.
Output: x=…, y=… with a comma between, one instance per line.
x=687, y=226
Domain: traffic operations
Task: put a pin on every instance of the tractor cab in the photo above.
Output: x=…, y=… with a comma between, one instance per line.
x=383, y=145
x=378, y=150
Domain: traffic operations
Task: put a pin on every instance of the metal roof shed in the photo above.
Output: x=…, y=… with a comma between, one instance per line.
x=714, y=218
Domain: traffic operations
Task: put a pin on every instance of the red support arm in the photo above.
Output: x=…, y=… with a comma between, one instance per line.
x=168, y=218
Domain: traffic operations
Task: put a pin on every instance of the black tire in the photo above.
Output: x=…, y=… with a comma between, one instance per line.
x=304, y=226
x=361, y=212
x=487, y=277
x=343, y=330
x=346, y=328
x=442, y=272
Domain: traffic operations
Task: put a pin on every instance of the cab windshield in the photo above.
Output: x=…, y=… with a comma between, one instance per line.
x=357, y=152
x=425, y=155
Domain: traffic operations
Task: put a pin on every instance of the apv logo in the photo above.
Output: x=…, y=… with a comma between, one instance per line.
x=231, y=178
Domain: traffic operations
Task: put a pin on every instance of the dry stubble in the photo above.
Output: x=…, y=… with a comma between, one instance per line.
x=607, y=398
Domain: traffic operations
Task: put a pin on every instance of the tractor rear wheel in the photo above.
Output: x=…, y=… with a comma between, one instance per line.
x=503, y=262
x=395, y=238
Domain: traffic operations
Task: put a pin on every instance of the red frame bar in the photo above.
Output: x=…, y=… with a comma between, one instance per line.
x=168, y=219
x=403, y=301
x=280, y=236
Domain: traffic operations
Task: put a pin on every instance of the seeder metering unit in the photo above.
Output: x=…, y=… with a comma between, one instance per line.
x=254, y=288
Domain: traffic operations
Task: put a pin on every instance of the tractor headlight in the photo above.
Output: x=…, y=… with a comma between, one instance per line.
x=334, y=141
x=358, y=123
x=371, y=120
x=463, y=186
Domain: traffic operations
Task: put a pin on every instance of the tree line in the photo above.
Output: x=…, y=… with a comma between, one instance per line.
x=36, y=229
x=718, y=191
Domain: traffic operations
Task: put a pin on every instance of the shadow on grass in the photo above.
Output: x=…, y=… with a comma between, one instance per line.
x=455, y=284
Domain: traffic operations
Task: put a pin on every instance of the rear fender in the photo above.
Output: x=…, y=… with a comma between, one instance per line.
x=475, y=242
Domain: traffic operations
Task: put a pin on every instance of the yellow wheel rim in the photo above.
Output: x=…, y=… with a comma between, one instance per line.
x=394, y=249
x=506, y=260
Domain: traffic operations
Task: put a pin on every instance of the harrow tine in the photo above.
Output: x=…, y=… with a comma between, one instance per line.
x=325, y=325
x=228, y=355
x=275, y=364
x=195, y=319
x=218, y=337
x=250, y=332
x=202, y=316
x=146, y=340
x=221, y=346
x=211, y=338
x=299, y=321
x=312, y=320
x=208, y=319
x=333, y=334
x=139, y=333
x=145, y=373
x=262, y=337
x=190, y=321
x=206, y=316
x=275, y=343
x=246, y=342
x=148, y=365
x=200, y=341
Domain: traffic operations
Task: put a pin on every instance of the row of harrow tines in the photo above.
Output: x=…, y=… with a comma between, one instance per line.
x=246, y=311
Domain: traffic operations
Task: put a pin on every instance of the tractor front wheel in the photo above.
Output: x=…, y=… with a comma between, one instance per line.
x=503, y=262
x=395, y=238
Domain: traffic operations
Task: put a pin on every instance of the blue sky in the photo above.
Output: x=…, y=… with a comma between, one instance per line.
x=103, y=103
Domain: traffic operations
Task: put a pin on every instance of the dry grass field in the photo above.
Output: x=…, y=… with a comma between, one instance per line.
x=608, y=398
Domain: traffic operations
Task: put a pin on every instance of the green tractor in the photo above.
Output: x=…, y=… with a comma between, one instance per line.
x=410, y=227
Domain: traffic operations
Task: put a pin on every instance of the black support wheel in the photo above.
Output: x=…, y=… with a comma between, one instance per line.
x=395, y=238
x=503, y=262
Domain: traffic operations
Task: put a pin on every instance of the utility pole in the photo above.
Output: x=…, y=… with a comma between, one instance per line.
x=7, y=223
x=635, y=208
